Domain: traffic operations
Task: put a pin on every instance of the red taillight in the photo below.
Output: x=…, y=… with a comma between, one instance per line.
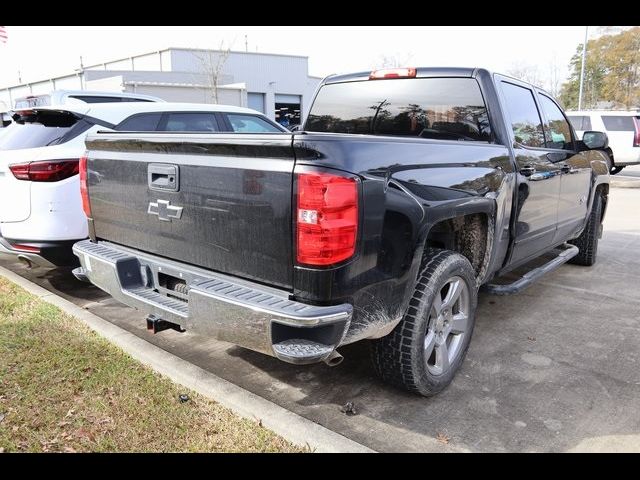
x=636, y=137
x=393, y=73
x=326, y=218
x=45, y=171
x=84, y=190
x=20, y=171
x=25, y=248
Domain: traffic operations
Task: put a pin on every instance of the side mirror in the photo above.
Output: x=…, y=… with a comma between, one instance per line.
x=595, y=140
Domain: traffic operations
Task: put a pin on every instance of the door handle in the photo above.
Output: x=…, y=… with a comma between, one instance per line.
x=163, y=177
x=555, y=157
x=565, y=168
x=528, y=170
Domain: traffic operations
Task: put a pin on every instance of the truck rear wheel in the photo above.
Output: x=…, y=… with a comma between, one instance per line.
x=587, y=242
x=427, y=347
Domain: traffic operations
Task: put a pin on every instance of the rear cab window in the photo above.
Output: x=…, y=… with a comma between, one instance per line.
x=42, y=129
x=435, y=108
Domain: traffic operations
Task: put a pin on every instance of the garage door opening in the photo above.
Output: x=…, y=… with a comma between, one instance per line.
x=288, y=110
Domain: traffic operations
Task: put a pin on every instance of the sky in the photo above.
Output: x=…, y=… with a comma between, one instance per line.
x=43, y=52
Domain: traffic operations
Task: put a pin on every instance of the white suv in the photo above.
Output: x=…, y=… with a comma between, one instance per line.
x=41, y=212
x=63, y=97
x=622, y=128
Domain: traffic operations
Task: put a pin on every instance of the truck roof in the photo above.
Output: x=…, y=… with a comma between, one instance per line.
x=426, y=72
x=421, y=72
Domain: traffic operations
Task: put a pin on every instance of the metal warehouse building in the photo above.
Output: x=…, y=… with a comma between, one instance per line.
x=277, y=85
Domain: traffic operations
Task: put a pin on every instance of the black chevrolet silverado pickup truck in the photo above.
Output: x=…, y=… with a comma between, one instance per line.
x=405, y=191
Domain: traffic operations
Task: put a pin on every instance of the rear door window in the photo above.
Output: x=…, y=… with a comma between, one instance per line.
x=438, y=108
x=525, y=118
x=580, y=122
x=190, y=122
x=41, y=130
x=618, y=123
x=142, y=122
x=250, y=124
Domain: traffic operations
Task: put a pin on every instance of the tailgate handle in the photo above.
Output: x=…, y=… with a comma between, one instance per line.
x=163, y=177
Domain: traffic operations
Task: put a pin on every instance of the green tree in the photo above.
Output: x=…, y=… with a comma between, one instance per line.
x=612, y=72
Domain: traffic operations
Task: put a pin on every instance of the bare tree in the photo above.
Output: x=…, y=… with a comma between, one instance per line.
x=554, y=80
x=393, y=60
x=525, y=72
x=610, y=30
x=211, y=64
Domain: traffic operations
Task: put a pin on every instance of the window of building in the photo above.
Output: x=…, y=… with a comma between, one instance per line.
x=288, y=110
x=256, y=101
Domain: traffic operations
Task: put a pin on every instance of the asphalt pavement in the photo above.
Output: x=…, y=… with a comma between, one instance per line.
x=631, y=172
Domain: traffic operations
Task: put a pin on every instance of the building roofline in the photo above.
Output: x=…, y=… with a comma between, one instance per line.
x=144, y=83
x=93, y=66
x=232, y=51
x=45, y=79
x=191, y=49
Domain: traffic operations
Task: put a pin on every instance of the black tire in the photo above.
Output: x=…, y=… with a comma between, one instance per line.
x=609, y=162
x=587, y=242
x=613, y=168
x=399, y=358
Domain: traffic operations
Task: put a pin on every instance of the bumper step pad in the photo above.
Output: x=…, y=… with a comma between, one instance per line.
x=294, y=350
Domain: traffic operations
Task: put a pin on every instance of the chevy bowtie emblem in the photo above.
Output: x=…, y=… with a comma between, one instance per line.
x=164, y=210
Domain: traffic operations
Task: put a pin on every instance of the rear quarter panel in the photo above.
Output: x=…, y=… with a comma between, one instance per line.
x=408, y=185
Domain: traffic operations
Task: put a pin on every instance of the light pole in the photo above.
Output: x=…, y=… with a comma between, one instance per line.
x=584, y=60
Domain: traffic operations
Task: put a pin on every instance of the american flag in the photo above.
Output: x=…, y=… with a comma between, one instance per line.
x=3, y=34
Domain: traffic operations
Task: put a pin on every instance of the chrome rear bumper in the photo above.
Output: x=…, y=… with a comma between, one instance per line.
x=237, y=311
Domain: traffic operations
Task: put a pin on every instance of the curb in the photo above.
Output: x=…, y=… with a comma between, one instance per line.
x=289, y=425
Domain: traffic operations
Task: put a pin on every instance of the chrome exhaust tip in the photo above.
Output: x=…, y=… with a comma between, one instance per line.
x=25, y=261
x=334, y=359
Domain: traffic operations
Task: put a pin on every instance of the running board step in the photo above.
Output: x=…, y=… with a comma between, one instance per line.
x=567, y=253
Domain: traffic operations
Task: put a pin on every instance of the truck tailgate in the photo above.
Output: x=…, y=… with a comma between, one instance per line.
x=218, y=201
